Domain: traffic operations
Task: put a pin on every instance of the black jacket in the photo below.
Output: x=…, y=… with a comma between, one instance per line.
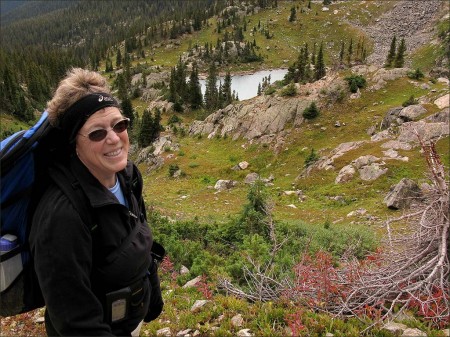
x=77, y=264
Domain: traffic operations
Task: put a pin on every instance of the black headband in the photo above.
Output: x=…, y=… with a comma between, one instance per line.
x=77, y=114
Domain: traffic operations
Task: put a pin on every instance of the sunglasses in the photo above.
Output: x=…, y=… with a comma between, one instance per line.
x=100, y=134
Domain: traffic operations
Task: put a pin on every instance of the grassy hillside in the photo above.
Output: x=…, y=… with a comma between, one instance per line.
x=195, y=222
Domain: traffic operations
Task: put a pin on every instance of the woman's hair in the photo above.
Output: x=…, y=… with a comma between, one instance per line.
x=77, y=84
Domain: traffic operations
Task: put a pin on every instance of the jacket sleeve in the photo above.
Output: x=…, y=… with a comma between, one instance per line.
x=62, y=249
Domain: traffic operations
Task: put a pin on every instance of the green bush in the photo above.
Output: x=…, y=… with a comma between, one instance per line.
x=311, y=112
x=410, y=101
x=416, y=75
x=355, y=81
x=289, y=90
x=172, y=169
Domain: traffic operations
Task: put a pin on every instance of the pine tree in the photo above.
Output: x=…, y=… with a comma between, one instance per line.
x=226, y=89
x=172, y=90
x=320, y=70
x=127, y=110
x=118, y=58
x=391, y=55
x=145, y=132
x=400, y=56
x=194, y=88
x=292, y=17
x=211, y=92
x=350, y=52
x=311, y=112
x=341, y=53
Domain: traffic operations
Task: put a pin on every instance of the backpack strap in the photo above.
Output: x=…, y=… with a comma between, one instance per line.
x=72, y=190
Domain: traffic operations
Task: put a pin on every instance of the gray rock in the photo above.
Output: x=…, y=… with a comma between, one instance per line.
x=395, y=328
x=345, y=174
x=184, y=333
x=371, y=172
x=391, y=117
x=365, y=160
x=439, y=117
x=411, y=112
x=237, y=321
x=442, y=102
x=251, y=178
x=403, y=194
x=244, y=333
x=222, y=185
x=427, y=131
x=413, y=333
x=164, y=332
x=193, y=282
x=199, y=304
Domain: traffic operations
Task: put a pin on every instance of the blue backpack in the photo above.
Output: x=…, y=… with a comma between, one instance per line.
x=24, y=159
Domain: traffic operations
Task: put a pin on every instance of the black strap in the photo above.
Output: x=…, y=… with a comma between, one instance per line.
x=75, y=194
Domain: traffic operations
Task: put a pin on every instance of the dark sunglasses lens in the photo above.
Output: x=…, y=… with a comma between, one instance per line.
x=121, y=126
x=98, y=135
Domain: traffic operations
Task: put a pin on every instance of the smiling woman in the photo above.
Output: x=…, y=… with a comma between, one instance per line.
x=96, y=278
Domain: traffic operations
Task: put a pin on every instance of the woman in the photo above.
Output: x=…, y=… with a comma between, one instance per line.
x=96, y=278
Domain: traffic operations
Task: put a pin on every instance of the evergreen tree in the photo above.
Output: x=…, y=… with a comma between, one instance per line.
x=194, y=88
x=320, y=70
x=292, y=17
x=150, y=128
x=172, y=90
x=145, y=133
x=341, y=53
x=122, y=91
x=127, y=110
x=118, y=58
x=311, y=112
x=211, y=92
x=226, y=90
x=391, y=55
x=350, y=52
x=400, y=56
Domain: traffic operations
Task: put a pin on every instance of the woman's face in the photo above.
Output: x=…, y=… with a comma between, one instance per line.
x=106, y=157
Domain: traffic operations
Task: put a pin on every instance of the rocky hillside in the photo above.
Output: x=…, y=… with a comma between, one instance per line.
x=413, y=20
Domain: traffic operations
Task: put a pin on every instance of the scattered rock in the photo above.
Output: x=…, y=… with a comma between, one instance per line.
x=395, y=328
x=411, y=112
x=401, y=196
x=244, y=333
x=199, y=304
x=414, y=332
x=371, y=172
x=184, y=270
x=184, y=333
x=442, y=102
x=243, y=165
x=193, y=282
x=345, y=174
x=222, y=185
x=164, y=332
x=237, y=321
x=251, y=178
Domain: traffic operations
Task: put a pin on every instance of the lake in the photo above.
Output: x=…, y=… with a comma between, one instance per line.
x=246, y=86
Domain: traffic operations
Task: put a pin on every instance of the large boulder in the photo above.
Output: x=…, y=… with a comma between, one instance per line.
x=391, y=118
x=412, y=112
x=402, y=195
